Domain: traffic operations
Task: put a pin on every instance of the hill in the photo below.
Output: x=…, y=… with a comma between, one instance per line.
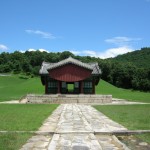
x=129, y=71
x=139, y=58
x=14, y=87
x=127, y=94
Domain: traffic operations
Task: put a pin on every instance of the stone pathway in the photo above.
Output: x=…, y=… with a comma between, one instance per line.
x=10, y=102
x=75, y=127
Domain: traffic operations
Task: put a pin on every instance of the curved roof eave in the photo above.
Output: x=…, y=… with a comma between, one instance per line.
x=72, y=61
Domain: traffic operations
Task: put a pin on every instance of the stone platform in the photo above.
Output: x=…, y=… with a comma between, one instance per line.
x=68, y=98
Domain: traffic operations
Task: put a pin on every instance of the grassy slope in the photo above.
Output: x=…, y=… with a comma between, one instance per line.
x=106, y=88
x=134, y=117
x=13, y=87
x=21, y=118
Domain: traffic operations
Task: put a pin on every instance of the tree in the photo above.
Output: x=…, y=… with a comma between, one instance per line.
x=65, y=55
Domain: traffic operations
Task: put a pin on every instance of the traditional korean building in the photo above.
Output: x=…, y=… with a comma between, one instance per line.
x=70, y=76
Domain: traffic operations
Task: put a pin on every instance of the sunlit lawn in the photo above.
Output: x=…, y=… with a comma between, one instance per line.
x=21, y=117
x=133, y=117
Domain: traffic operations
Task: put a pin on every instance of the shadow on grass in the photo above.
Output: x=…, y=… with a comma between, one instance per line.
x=13, y=141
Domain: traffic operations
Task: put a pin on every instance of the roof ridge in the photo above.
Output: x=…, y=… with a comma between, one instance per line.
x=70, y=60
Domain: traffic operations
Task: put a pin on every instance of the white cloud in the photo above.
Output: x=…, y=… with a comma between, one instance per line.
x=43, y=50
x=112, y=52
x=74, y=52
x=33, y=50
x=89, y=52
x=41, y=33
x=22, y=51
x=3, y=47
x=121, y=40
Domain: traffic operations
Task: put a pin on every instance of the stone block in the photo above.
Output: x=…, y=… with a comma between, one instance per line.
x=64, y=98
x=83, y=101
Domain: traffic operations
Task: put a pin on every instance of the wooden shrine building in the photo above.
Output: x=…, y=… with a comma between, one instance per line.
x=70, y=76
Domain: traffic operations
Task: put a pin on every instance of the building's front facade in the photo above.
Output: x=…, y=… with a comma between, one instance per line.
x=70, y=76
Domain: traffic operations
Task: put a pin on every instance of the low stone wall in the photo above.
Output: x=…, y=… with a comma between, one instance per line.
x=68, y=98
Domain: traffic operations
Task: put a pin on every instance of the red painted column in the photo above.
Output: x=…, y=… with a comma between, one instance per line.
x=93, y=87
x=58, y=90
x=46, y=86
x=81, y=87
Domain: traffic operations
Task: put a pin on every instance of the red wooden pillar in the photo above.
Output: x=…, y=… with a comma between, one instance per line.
x=93, y=87
x=81, y=87
x=46, y=86
x=58, y=90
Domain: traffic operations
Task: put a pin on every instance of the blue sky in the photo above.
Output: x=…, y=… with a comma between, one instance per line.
x=100, y=28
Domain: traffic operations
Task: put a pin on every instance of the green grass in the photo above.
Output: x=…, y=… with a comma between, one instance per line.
x=133, y=117
x=20, y=117
x=106, y=88
x=13, y=141
x=13, y=87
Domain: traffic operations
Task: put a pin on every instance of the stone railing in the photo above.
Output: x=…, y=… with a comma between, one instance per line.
x=68, y=98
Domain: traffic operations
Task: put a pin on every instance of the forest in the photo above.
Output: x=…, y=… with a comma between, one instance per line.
x=130, y=71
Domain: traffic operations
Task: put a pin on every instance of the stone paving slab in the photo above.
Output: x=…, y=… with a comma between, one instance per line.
x=74, y=126
x=108, y=142
x=98, y=121
x=10, y=102
x=72, y=120
x=75, y=141
x=37, y=142
x=79, y=141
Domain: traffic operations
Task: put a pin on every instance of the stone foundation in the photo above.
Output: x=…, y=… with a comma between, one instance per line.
x=68, y=98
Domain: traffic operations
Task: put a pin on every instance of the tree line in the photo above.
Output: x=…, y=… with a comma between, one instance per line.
x=123, y=74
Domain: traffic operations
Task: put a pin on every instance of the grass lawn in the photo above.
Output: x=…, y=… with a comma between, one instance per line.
x=13, y=87
x=133, y=117
x=106, y=88
x=20, y=117
x=13, y=141
x=17, y=117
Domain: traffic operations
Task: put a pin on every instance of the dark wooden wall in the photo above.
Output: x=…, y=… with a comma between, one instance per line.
x=70, y=73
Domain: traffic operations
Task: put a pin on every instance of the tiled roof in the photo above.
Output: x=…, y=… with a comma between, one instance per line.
x=48, y=66
x=96, y=69
x=72, y=61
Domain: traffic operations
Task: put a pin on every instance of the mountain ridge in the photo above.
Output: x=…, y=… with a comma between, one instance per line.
x=139, y=58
